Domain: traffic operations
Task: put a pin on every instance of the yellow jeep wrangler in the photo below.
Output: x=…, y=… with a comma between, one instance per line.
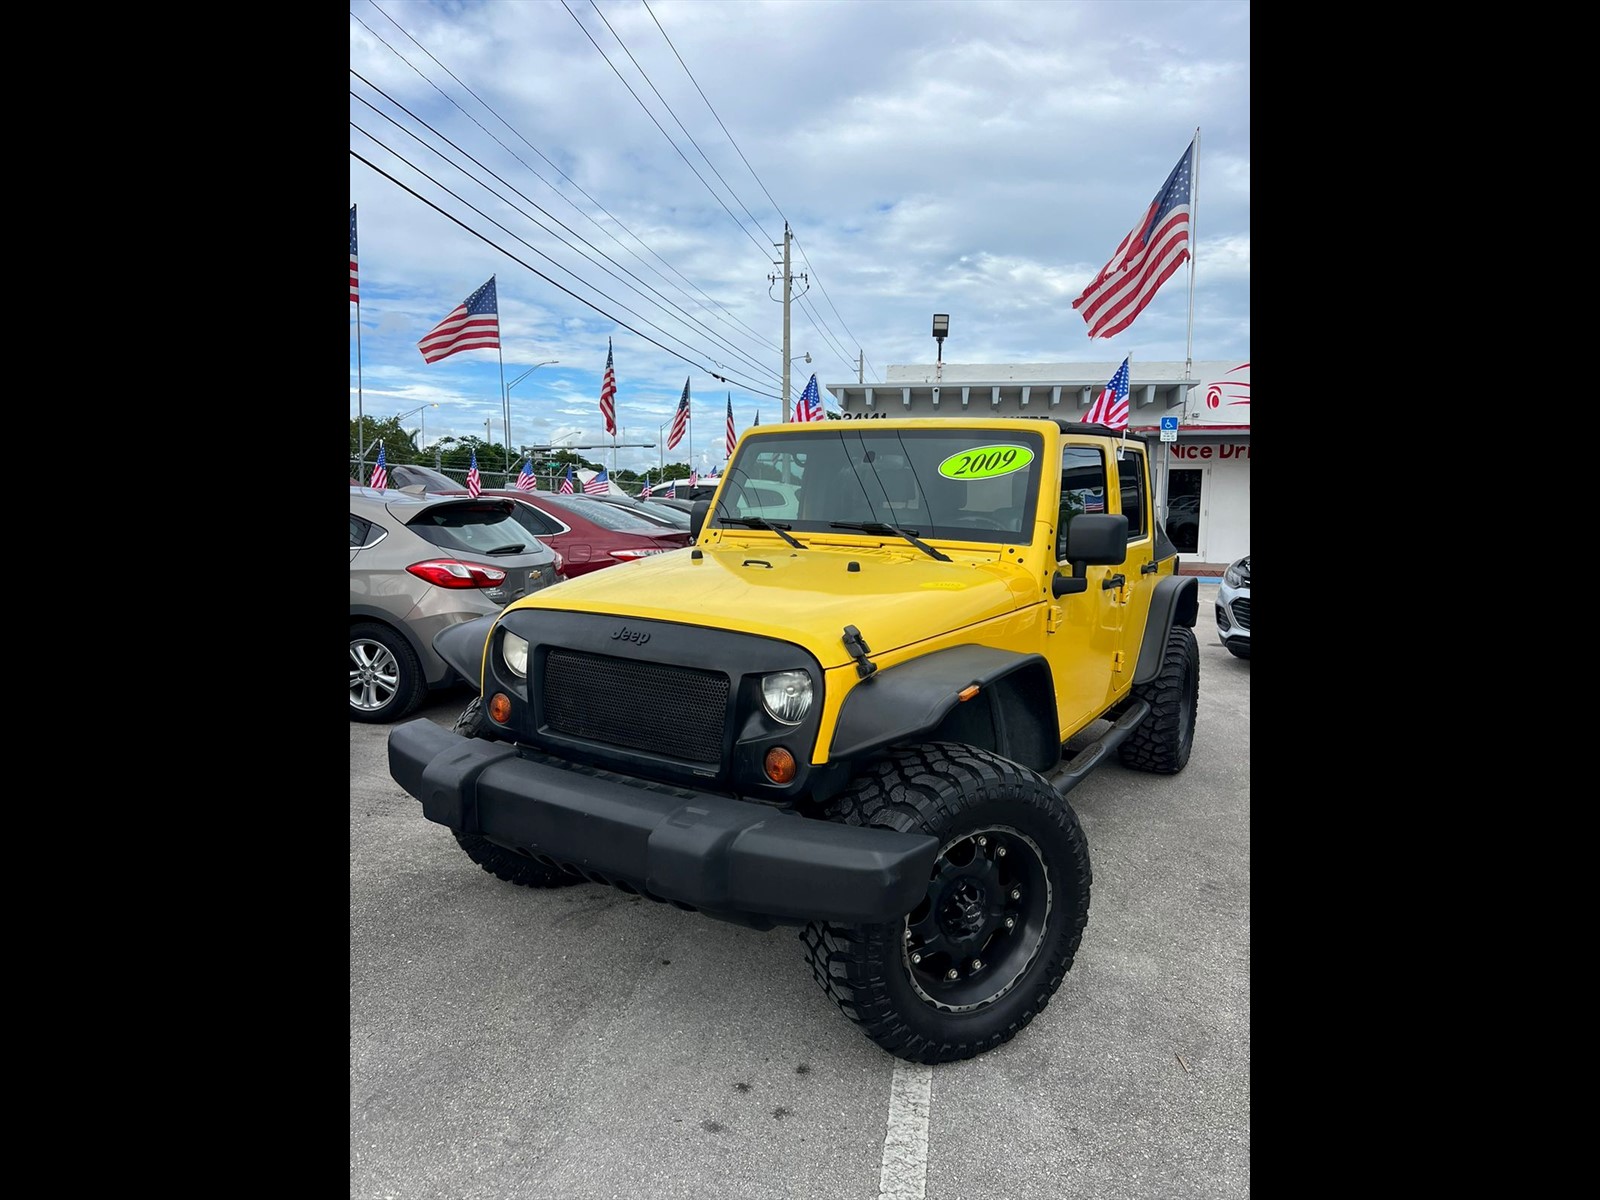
x=855, y=705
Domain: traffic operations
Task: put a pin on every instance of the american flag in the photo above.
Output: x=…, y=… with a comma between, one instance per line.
x=474, y=324
x=672, y=490
x=566, y=482
x=694, y=477
x=732, y=436
x=380, y=470
x=474, y=483
x=525, y=479
x=608, y=393
x=680, y=419
x=354, y=293
x=644, y=493
x=1111, y=408
x=599, y=483
x=809, y=407
x=1156, y=247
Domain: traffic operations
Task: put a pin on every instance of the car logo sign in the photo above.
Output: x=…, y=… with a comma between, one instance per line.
x=637, y=636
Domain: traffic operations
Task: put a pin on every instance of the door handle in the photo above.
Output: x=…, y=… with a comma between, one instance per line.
x=1112, y=581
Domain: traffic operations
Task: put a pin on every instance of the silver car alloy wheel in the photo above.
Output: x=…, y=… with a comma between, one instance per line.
x=374, y=674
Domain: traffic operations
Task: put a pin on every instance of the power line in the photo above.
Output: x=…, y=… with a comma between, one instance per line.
x=820, y=323
x=577, y=187
x=665, y=303
x=665, y=134
x=581, y=300
x=811, y=270
x=753, y=219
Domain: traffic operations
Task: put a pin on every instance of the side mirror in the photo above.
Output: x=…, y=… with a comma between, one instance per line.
x=697, y=517
x=1099, y=539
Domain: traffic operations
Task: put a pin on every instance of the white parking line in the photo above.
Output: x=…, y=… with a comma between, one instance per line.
x=905, y=1144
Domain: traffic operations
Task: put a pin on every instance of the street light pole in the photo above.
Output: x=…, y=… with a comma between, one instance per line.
x=549, y=362
x=421, y=433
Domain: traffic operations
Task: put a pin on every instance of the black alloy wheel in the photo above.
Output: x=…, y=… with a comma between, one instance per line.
x=982, y=922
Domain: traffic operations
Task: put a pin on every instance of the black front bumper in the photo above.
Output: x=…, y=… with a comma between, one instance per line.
x=722, y=856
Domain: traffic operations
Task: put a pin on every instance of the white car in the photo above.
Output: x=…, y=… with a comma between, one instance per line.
x=1233, y=608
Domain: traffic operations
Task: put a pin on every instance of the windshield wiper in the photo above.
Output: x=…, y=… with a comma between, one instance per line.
x=513, y=548
x=777, y=527
x=880, y=527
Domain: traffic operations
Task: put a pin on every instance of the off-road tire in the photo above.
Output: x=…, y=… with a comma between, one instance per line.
x=957, y=793
x=1163, y=740
x=511, y=866
x=497, y=860
x=386, y=681
x=472, y=723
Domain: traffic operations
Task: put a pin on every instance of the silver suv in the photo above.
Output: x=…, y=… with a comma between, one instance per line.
x=1233, y=608
x=419, y=564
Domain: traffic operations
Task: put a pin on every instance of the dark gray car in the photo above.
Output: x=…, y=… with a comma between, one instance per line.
x=658, y=514
x=419, y=564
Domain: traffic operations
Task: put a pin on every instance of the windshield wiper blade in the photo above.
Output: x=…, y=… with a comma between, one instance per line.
x=513, y=548
x=777, y=527
x=880, y=527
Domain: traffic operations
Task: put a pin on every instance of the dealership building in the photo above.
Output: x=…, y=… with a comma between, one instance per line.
x=1201, y=466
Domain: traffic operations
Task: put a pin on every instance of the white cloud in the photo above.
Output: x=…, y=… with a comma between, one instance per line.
x=976, y=158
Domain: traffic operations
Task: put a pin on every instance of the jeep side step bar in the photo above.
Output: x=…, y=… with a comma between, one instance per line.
x=1070, y=774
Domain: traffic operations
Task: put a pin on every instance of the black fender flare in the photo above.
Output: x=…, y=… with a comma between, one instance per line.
x=909, y=701
x=1175, y=601
x=462, y=646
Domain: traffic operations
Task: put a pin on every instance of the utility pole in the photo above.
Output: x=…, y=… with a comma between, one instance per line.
x=861, y=358
x=788, y=281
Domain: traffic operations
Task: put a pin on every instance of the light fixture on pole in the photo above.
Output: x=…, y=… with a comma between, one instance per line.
x=549, y=362
x=941, y=330
x=421, y=433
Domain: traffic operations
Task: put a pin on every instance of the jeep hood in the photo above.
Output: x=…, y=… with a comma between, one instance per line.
x=807, y=597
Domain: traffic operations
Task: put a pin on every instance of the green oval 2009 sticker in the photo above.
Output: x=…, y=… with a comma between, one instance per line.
x=985, y=462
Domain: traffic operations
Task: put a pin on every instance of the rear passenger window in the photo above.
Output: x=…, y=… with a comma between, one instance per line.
x=363, y=533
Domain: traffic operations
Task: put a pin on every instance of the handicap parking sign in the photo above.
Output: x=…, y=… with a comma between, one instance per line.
x=1169, y=429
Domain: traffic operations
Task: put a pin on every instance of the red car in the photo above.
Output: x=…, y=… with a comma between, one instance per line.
x=589, y=534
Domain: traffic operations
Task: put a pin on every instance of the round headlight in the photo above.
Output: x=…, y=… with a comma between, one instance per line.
x=787, y=696
x=514, y=651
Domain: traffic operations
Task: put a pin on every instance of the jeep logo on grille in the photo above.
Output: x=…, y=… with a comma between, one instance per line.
x=637, y=636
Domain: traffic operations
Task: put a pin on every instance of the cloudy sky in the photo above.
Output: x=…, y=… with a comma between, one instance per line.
x=624, y=169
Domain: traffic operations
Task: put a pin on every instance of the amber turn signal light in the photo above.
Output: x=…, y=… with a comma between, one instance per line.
x=500, y=707
x=779, y=765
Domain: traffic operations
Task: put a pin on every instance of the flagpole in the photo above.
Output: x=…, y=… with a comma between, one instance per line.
x=361, y=416
x=505, y=396
x=1194, y=209
x=1188, y=350
x=1130, y=408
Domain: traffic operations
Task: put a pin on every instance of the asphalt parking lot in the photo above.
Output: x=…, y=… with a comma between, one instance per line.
x=579, y=1042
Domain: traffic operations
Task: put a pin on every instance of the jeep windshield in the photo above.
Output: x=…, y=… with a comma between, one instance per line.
x=956, y=485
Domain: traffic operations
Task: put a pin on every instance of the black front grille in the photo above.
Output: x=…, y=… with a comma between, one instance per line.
x=1241, y=611
x=676, y=712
